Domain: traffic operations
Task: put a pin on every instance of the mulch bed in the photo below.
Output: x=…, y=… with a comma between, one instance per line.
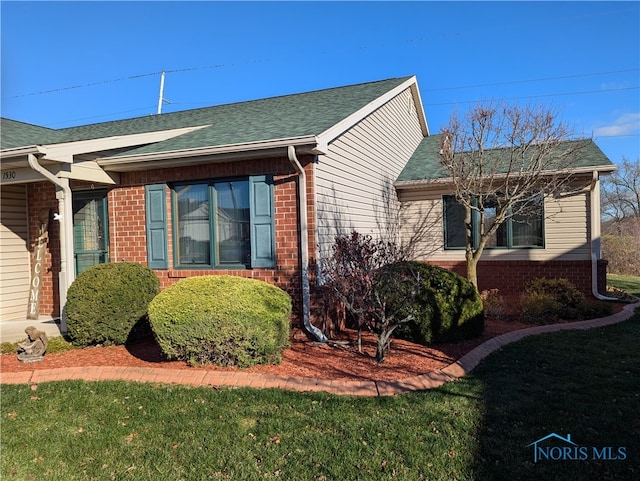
x=304, y=358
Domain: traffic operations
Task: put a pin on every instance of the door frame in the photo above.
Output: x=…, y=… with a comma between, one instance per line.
x=89, y=195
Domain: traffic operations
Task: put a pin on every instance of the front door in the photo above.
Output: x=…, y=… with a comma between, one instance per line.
x=90, y=229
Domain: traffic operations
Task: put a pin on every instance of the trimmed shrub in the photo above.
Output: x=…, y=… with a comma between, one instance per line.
x=561, y=290
x=224, y=320
x=548, y=300
x=551, y=300
x=107, y=303
x=448, y=308
x=540, y=308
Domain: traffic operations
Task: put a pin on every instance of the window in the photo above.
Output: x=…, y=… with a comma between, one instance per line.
x=224, y=223
x=454, y=232
x=523, y=229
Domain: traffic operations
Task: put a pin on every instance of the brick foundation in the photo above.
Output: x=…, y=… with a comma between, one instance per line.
x=511, y=276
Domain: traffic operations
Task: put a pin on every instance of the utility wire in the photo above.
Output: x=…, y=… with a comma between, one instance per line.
x=537, y=96
x=208, y=67
x=509, y=82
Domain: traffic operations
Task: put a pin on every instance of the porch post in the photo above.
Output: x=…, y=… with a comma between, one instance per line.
x=67, y=267
x=65, y=217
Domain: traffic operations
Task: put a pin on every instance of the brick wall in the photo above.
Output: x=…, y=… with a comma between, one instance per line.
x=127, y=219
x=511, y=276
x=42, y=195
x=127, y=223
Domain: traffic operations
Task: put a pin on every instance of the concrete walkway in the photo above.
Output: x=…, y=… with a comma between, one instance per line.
x=195, y=377
x=13, y=331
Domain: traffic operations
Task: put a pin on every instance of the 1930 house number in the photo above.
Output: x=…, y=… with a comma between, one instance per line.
x=8, y=174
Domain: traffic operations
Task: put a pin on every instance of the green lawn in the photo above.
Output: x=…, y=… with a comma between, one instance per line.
x=585, y=384
x=630, y=284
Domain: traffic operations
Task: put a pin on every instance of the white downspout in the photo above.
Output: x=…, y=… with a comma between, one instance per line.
x=304, y=246
x=596, y=237
x=65, y=209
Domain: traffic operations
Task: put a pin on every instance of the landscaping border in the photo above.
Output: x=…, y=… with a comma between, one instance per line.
x=217, y=379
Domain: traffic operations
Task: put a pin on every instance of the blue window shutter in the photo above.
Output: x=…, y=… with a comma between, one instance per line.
x=156, y=210
x=263, y=242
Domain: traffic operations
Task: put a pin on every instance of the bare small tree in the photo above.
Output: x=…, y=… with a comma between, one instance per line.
x=621, y=192
x=621, y=218
x=501, y=159
x=369, y=278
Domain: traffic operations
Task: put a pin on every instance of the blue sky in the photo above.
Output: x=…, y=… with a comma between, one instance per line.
x=70, y=63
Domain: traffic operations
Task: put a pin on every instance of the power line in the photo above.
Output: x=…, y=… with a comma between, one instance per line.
x=426, y=104
x=537, y=96
x=101, y=116
x=132, y=77
x=209, y=67
x=531, y=80
x=92, y=84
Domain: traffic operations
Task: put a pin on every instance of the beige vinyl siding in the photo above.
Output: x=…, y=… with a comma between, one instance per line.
x=14, y=253
x=567, y=231
x=359, y=165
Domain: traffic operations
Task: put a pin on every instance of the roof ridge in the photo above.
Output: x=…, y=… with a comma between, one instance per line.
x=262, y=99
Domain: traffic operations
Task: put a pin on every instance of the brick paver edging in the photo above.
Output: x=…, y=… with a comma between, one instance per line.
x=216, y=379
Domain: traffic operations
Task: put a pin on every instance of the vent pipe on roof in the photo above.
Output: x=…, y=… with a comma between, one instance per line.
x=304, y=247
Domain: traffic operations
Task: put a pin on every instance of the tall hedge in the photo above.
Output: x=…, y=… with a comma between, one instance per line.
x=107, y=303
x=448, y=307
x=222, y=320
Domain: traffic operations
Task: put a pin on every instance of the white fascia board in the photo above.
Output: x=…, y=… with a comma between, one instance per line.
x=424, y=183
x=345, y=124
x=221, y=150
x=21, y=151
x=64, y=152
x=87, y=170
x=417, y=99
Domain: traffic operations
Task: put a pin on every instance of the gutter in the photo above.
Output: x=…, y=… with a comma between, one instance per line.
x=241, y=149
x=20, y=151
x=65, y=209
x=596, y=237
x=421, y=183
x=304, y=246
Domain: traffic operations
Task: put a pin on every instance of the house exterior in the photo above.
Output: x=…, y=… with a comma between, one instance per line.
x=256, y=189
x=562, y=240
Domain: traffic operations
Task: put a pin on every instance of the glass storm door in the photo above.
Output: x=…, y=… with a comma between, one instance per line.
x=90, y=229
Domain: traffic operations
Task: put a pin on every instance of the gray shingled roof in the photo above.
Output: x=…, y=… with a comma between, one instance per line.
x=309, y=113
x=424, y=164
x=18, y=134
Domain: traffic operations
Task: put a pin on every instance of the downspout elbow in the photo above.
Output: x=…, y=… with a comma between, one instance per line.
x=304, y=247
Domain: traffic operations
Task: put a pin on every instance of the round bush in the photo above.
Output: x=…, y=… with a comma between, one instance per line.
x=561, y=290
x=447, y=308
x=549, y=300
x=540, y=308
x=222, y=320
x=107, y=303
